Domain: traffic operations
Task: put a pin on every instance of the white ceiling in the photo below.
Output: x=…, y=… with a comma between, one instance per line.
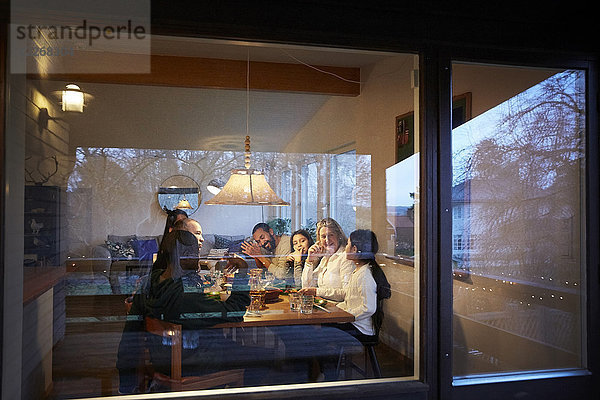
x=187, y=118
x=236, y=50
x=191, y=118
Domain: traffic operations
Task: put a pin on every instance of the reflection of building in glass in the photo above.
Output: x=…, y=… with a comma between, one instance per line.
x=402, y=219
x=516, y=214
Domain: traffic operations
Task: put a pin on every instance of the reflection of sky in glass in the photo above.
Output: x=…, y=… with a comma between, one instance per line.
x=400, y=182
x=466, y=137
x=486, y=125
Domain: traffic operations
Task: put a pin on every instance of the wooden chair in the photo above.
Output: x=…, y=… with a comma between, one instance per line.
x=175, y=382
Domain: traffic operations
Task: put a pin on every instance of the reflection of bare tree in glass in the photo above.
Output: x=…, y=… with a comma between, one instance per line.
x=127, y=179
x=520, y=189
x=525, y=180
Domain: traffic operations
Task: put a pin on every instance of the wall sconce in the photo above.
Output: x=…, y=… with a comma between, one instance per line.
x=73, y=98
x=215, y=186
x=184, y=204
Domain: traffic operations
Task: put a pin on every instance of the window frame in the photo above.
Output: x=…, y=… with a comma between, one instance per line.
x=562, y=384
x=436, y=222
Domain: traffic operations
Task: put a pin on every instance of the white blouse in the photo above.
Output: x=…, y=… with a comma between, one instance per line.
x=330, y=276
x=360, y=299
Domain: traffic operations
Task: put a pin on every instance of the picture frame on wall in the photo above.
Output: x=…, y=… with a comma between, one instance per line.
x=405, y=125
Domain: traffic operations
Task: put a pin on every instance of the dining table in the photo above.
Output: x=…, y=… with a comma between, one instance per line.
x=278, y=313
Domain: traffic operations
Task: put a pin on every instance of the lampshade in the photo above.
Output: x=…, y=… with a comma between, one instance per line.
x=73, y=99
x=247, y=187
x=184, y=204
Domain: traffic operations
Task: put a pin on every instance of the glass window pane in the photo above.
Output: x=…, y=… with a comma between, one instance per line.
x=342, y=191
x=96, y=190
x=518, y=242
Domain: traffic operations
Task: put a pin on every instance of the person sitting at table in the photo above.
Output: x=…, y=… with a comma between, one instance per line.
x=333, y=270
x=300, y=242
x=367, y=287
x=190, y=255
x=163, y=297
x=269, y=250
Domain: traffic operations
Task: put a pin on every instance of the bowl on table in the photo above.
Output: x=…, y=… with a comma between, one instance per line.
x=272, y=295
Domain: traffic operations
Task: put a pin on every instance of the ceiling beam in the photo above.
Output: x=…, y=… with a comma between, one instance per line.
x=211, y=73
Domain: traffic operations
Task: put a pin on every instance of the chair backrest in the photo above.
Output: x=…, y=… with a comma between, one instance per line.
x=173, y=335
x=383, y=292
x=171, y=332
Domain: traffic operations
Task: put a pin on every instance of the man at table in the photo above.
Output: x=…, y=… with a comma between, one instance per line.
x=190, y=255
x=269, y=250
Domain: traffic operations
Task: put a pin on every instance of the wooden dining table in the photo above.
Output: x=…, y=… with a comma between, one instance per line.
x=278, y=313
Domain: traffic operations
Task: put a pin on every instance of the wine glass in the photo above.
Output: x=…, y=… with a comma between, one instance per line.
x=267, y=280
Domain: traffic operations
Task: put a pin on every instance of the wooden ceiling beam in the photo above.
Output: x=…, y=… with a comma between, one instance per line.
x=194, y=72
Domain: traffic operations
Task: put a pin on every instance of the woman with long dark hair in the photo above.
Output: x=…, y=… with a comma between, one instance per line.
x=163, y=297
x=368, y=286
x=172, y=217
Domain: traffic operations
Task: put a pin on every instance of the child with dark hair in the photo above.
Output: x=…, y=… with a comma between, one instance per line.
x=300, y=241
x=364, y=294
x=368, y=286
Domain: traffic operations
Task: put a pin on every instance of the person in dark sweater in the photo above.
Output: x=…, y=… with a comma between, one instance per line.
x=163, y=297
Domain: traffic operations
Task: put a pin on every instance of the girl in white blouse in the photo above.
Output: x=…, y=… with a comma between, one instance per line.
x=366, y=288
x=332, y=272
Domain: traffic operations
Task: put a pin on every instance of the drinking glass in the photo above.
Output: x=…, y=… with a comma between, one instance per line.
x=306, y=304
x=255, y=303
x=295, y=301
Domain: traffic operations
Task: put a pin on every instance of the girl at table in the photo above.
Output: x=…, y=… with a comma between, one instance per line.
x=366, y=289
x=300, y=242
x=332, y=272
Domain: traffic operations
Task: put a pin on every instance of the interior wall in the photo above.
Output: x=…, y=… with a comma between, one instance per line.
x=367, y=124
x=493, y=85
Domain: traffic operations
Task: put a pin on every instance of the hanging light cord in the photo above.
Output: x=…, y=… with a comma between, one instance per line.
x=247, y=91
x=321, y=70
x=247, y=142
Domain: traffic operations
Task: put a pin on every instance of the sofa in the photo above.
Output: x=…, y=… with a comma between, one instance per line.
x=131, y=255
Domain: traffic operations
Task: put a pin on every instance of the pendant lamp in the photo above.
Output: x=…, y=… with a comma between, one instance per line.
x=247, y=186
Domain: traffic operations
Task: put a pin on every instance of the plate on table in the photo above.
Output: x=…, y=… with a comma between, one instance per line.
x=321, y=302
